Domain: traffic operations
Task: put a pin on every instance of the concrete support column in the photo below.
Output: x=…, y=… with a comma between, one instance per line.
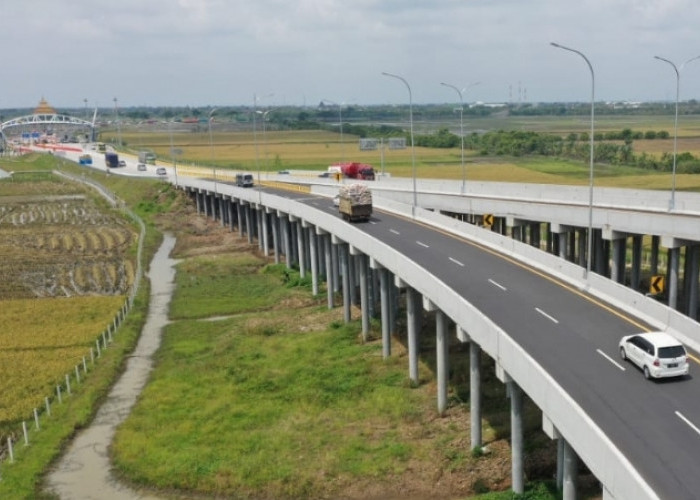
x=328, y=252
x=212, y=210
x=249, y=222
x=561, y=236
x=259, y=216
x=412, y=304
x=673, y=266
x=692, y=277
x=335, y=261
x=475, y=393
x=617, y=273
x=301, y=246
x=636, y=274
x=275, y=236
x=231, y=214
x=286, y=240
x=344, y=257
x=222, y=210
x=198, y=200
x=265, y=231
x=362, y=263
x=582, y=238
x=516, y=436
x=442, y=356
x=313, y=253
x=655, y=240
x=385, y=308
x=570, y=472
x=241, y=223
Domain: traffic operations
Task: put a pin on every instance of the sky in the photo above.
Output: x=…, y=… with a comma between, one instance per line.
x=300, y=52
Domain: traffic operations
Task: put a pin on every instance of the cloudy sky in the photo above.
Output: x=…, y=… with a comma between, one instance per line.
x=223, y=52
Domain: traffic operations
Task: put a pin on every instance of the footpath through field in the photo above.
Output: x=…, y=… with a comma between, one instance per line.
x=83, y=472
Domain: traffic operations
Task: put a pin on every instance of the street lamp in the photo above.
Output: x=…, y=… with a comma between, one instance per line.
x=255, y=136
x=211, y=148
x=461, y=127
x=263, y=114
x=413, y=149
x=590, y=177
x=119, y=128
x=340, y=121
x=675, y=125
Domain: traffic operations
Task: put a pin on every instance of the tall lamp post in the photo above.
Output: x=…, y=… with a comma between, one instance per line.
x=589, y=250
x=340, y=121
x=675, y=125
x=119, y=127
x=461, y=127
x=255, y=137
x=413, y=149
x=211, y=147
x=263, y=115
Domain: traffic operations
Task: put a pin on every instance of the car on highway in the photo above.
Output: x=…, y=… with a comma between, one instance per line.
x=141, y=167
x=161, y=171
x=122, y=163
x=657, y=354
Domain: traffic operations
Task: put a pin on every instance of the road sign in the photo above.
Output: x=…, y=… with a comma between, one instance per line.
x=657, y=284
x=488, y=220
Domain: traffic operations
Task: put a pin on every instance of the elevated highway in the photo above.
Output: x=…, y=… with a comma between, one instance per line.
x=551, y=328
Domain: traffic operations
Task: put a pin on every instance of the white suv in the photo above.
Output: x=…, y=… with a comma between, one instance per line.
x=658, y=354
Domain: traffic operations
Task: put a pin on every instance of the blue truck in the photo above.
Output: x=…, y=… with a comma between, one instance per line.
x=111, y=160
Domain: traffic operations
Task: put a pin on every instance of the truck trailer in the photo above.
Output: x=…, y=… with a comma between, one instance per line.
x=355, y=202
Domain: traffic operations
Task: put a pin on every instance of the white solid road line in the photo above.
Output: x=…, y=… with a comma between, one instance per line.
x=457, y=262
x=690, y=424
x=550, y=318
x=423, y=244
x=495, y=283
x=611, y=360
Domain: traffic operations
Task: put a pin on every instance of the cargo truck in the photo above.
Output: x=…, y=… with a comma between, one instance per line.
x=355, y=202
x=111, y=159
x=353, y=170
x=147, y=157
x=85, y=159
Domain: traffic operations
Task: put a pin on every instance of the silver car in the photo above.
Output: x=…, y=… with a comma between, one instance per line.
x=657, y=354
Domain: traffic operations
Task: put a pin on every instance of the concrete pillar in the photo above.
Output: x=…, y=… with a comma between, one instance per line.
x=335, y=267
x=212, y=210
x=265, y=231
x=364, y=294
x=231, y=214
x=313, y=252
x=619, y=255
x=301, y=248
x=328, y=251
x=475, y=393
x=692, y=277
x=655, y=240
x=636, y=274
x=344, y=257
x=673, y=266
x=198, y=199
x=249, y=222
x=385, y=307
x=442, y=348
x=275, y=236
x=582, y=236
x=570, y=472
x=222, y=211
x=599, y=254
x=516, y=437
x=259, y=216
x=560, y=463
x=241, y=224
x=412, y=304
x=286, y=240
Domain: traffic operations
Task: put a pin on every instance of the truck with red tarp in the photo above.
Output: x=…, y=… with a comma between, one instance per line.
x=354, y=170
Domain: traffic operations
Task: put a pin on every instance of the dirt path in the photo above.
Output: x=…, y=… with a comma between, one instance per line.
x=84, y=470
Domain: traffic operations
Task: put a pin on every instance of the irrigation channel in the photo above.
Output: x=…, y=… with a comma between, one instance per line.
x=84, y=471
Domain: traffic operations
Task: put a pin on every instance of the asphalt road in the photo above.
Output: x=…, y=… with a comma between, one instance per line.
x=574, y=336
